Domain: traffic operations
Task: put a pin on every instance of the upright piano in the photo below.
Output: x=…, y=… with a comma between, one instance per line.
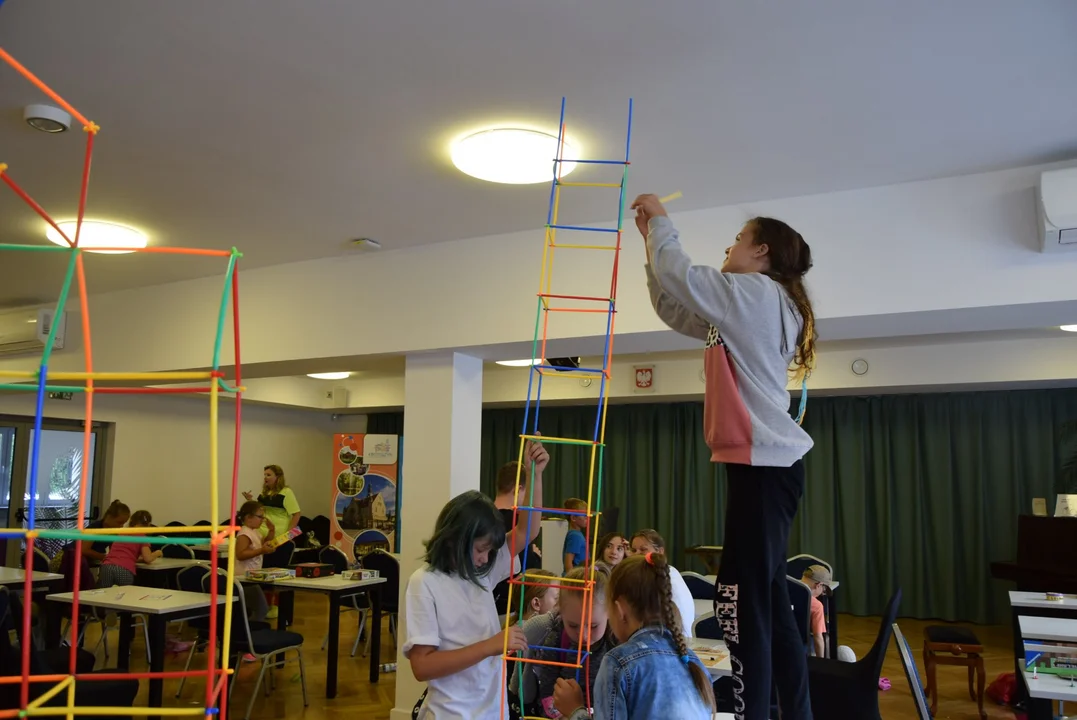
x=1046, y=562
x=1046, y=555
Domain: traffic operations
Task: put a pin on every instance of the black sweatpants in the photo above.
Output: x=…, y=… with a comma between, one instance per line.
x=751, y=598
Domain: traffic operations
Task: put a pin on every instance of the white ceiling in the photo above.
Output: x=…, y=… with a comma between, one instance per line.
x=288, y=128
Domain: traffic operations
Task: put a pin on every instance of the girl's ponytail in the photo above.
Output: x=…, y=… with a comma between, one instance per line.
x=671, y=619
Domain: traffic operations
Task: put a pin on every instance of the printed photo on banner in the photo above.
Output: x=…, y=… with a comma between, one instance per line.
x=365, y=493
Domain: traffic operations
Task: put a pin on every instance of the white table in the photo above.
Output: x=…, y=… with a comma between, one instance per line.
x=714, y=654
x=16, y=576
x=1027, y=604
x=1050, y=687
x=1048, y=628
x=160, y=606
x=1024, y=599
x=337, y=588
x=163, y=563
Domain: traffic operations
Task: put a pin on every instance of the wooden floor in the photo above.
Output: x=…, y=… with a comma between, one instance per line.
x=357, y=698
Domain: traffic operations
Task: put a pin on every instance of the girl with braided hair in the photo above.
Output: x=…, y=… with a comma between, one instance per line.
x=652, y=673
x=757, y=321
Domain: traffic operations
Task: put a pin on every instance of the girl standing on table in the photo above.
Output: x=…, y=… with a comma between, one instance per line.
x=455, y=639
x=281, y=515
x=757, y=322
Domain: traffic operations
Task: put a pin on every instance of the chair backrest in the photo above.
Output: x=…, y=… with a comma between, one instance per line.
x=796, y=565
x=180, y=552
x=174, y=523
x=700, y=587
x=320, y=525
x=706, y=626
x=189, y=579
x=67, y=569
x=241, y=627
x=800, y=598
x=332, y=555
x=875, y=657
x=388, y=567
x=41, y=561
x=912, y=674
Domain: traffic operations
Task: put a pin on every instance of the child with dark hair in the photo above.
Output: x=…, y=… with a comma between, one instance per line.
x=648, y=674
x=116, y=516
x=757, y=322
x=454, y=635
x=121, y=563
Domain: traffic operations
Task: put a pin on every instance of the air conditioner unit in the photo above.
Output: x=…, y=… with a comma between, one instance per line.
x=26, y=331
x=1056, y=206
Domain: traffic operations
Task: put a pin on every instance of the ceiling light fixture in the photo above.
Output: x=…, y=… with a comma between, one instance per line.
x=519, y=363
x=97, y=234
x=330, y=375
x=46, y=118
x=1068, y=328
x=511, y=155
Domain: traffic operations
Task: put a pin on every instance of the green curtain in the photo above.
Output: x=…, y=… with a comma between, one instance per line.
x=921, y=491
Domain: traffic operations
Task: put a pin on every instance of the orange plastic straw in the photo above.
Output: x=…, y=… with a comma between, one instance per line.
x=43, y=87
x=171, y=250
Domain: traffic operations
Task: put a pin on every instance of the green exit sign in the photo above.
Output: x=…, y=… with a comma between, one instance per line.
x=59, y=396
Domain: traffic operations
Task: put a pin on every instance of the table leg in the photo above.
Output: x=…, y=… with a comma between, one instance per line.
x=157, y=658
x=334, y=647
x=375, y=632
x=54, y=619
x=123, y=644
x=832, y=604
x=285, y=608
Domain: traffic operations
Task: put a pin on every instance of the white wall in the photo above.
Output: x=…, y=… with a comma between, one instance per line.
x=881, y=254
x=160, y=459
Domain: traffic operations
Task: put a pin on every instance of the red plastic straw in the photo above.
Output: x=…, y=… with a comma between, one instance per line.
x=150, y=390
x=33, y=204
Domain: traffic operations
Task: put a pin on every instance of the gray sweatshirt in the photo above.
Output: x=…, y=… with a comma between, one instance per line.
x=750, y=327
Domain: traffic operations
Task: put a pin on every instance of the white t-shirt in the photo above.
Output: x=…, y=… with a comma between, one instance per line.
x=251, y=564
x=449, y=612
x=682, y=598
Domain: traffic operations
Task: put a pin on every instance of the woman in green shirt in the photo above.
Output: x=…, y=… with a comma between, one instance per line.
x=281, y=506
x=281, y=511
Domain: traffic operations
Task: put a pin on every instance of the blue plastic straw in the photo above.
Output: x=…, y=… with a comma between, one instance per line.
x=582, y=229
x=553, y=185
x=35, y=451
x=571, y=369
x=628, y=140
x=591, y=162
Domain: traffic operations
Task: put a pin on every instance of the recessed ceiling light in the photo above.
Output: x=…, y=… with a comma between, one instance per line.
x=330, y=375
x=518, y=363
x=1068, y=328
x=46, y=118
x=511, y=155
x=98, y=234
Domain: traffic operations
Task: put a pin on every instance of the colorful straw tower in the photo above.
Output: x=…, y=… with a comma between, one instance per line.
x=41, y=381
x=608, y=239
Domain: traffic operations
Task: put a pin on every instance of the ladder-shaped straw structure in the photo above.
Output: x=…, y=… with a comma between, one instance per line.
x=607, y=240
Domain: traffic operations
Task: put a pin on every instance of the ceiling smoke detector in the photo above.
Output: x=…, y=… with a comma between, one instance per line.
x=46, y=118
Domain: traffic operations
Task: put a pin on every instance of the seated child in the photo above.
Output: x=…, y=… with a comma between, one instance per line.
x=818, y=579
x=652, y=673
x=575, y=549
x=562, y=629
x=120, y=564
x=539, y=599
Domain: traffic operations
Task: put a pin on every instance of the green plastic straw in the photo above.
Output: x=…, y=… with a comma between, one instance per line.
x=223, y=309
x=48, y=388
x=60, y=306
x=35, y=248
x=150, y=540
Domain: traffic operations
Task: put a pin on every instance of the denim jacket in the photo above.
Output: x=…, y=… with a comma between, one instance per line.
x=645, y=679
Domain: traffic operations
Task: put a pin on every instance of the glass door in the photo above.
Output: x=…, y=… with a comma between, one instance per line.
x=61, y=461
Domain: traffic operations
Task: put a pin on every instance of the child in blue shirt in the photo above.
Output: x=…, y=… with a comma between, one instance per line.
x=575, y=548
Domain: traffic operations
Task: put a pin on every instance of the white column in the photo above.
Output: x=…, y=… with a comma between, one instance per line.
x=442, y=425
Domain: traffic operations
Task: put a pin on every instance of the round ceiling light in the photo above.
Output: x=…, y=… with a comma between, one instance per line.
x=46, y=118
x=511, y=156
x=1068, y=328
x=96, y=234
x=330, y=375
